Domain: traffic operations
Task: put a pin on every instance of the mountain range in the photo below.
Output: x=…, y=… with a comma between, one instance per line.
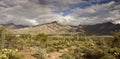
x=55, y=28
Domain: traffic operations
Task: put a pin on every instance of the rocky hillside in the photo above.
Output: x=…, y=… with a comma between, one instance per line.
x=101, y=29
x=55, y=28
x=48, y=28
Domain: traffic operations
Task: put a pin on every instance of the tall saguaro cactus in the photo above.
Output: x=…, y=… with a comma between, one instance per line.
x=3, y=39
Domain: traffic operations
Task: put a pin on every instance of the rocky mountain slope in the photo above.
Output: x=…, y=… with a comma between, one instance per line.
x=48, y=28
x=101, y=29
x=55, y=28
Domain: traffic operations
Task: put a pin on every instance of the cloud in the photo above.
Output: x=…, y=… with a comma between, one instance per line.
x=117, y=22
x=97, y=14
x=29, y=22
x=34, y=12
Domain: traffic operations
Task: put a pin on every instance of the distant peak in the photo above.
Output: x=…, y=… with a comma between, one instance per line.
x=54, y=22
x=8, y=24
x=107, y=23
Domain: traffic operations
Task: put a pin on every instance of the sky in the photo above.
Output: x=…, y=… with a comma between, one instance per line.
x=65, y=12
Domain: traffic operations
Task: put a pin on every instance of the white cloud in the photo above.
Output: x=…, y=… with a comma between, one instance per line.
x=117, y=22
x=96, y=14
x=34, y=12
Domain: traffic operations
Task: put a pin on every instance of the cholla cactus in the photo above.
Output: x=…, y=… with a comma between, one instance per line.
x=42, y=53
x=7, y=53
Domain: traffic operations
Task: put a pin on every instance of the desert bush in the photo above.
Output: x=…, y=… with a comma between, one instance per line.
x=67, y=55
x=115, y=52
x=41, y=37
x=108, y=56
x=116, y=41
x=84, y=53
x=95, y=53
x=78, y=53
x=26, y=36
x=51, y=49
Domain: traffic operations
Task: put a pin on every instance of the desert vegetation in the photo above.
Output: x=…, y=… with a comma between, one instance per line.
x=71, y=47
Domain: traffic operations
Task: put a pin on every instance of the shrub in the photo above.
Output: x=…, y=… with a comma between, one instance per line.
x=67, y=55
x=78, y=53
x=116, y=41
x=115, y=52
x=108, y=56
x=94, y=53
x=41, y=37
x=51, y=49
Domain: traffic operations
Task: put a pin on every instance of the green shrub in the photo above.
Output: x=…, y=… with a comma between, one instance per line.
x=115, y=52
x=116, y=41
x=108, y=56
x=51, y=49
x=67, y=56
x=78, y=53
x=41, y=37
x=93, y=53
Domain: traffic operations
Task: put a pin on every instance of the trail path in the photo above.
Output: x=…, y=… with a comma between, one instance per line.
x=28, y=53
x=56, y=55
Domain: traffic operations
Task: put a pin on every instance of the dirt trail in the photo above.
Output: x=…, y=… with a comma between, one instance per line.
x=56, y=55
x=28, y=53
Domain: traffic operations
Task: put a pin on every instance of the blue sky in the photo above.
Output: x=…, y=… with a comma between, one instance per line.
x=83, y=5
x=65, y=12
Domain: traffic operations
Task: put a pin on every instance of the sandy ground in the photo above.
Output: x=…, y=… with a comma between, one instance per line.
x=28, y=53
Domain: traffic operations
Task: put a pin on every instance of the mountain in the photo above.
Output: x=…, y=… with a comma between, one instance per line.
x=13, y=26
x=48, y=28
x=55, y=28
x=101, y=29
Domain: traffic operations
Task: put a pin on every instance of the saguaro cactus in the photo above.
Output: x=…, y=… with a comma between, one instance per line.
x=2, y=37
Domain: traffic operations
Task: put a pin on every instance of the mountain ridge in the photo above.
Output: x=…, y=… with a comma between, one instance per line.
x=56, y=28
x=13, y=26
x=48, y=28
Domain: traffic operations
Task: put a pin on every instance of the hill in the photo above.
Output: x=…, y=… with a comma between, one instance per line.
x=55, y=28
x=48, y=28
x=13, y=26
x=101, y=29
